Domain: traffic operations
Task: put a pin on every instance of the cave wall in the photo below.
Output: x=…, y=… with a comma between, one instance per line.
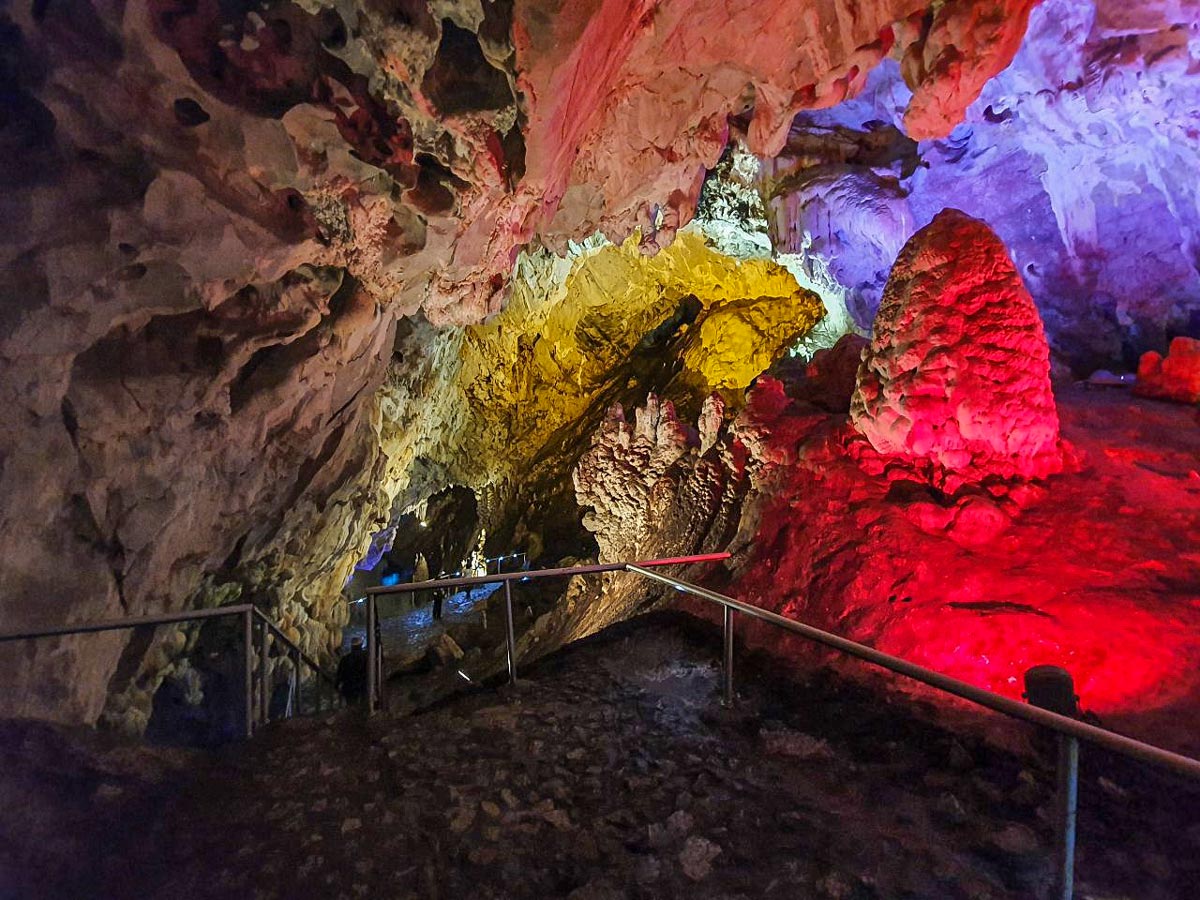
x=519, y=400
x=942, y=503
x=1081, y=154
x=242, y=227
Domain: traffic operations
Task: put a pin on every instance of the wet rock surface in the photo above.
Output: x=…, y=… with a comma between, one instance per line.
x=611, y=771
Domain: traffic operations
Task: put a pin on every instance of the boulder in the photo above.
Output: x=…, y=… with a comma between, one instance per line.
x=1173, y=377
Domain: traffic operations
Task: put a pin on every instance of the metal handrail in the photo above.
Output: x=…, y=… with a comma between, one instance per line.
x=375, y=660
x=1035, y=715
x=469, y=580
x=1070, y=731
x=295, y=648
x=254, y=712
x=130, y=622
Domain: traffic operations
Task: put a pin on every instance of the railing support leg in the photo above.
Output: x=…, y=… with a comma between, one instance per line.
x=264, y=665
x=248, y=671
x=510, y=636
x=372, y=655
x=727, y=668
x=296, y=711
x=1068, y=794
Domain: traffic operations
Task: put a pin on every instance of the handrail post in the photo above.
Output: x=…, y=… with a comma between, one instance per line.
x=510, y=635
x=1066, y=801
x=727, y=669
x=264, y=664
x=1052, y=688
x=296, y=711
x=248, y=670
x=371, y=656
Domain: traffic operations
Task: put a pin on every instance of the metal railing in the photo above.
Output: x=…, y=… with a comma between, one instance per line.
x=256, y=691
x=1070, y=731
x=375, y=666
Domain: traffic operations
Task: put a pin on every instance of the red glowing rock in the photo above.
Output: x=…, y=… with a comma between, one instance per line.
x=956, y=381
x=1175, y=377
x=948, y=65
x=1084, y=571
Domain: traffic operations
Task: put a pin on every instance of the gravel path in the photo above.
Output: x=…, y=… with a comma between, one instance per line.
x=613, y=772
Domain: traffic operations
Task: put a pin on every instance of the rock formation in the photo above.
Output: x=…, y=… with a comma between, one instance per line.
x=688, y=318
x=957, y=376
x=255, y=304
x=1075, y=154
x=1085, y=571
x=1174, y=377
x=228, y=209
x=940, y=521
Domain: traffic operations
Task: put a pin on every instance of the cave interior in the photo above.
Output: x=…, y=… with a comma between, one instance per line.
x=891, y=309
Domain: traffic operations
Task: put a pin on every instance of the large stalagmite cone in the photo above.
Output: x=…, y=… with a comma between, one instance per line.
x=957, y=377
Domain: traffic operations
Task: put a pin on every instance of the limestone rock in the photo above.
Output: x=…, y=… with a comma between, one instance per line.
x=225, y=345
x=967, y=44
x=617, y=479
x=576, y=328
x=739, y=339
x=1041, y=155
x=957, y=377
x=446, y=650
x=697, y=856
x=1173, y=377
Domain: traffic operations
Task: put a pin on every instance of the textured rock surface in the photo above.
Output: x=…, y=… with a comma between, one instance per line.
x=957, y=376
x=948, y=66
x=1077, y=154
x=651, y=484
x=1175, y=377
x=618, y=476
x=226, y=211
x=689, y=318
x=224, y=360
x=1096, y=570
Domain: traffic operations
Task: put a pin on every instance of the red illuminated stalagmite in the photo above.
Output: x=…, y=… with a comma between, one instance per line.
x=956, y=381
x=1174, y=377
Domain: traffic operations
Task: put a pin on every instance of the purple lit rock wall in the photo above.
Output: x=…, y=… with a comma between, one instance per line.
x=1083, y=155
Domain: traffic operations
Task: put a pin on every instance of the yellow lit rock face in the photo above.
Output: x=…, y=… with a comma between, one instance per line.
x=491, y=405
x=738, y=340
x=578, y=332
x=506, y=408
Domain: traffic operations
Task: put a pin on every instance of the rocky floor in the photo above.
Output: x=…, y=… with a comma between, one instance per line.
x=611, y=771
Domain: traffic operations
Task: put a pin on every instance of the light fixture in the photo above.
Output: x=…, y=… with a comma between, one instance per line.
x=1052, y=688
